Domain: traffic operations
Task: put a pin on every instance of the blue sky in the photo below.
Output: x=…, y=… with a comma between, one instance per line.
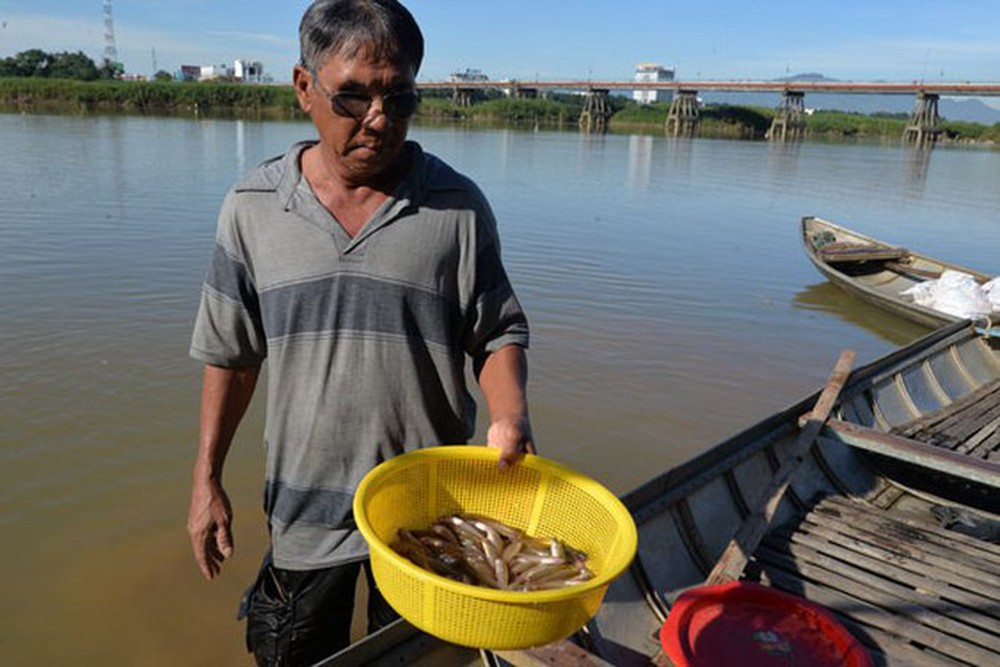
x=893, y=40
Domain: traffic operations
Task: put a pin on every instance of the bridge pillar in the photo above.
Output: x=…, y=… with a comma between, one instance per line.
x=522, y=93
x=463, y=97
x=683, y=117
x=923, y=129
x=789, y=122
x=596, y=111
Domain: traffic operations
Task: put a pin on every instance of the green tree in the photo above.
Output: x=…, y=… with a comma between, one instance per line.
x=72, y=66
x=38, y=63
x=33, y=62
x=163, y=75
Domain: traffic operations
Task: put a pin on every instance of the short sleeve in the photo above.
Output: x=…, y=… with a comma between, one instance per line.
x=228, y=330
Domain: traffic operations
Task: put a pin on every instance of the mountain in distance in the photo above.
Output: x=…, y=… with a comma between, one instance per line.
x=959, y=108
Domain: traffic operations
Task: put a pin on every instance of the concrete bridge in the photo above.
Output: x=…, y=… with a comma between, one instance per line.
x=683, y=116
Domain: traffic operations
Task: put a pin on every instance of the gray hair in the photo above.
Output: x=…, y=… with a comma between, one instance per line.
x=383, y=28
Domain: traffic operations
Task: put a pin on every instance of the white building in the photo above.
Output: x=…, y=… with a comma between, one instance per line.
x=651, y=72
x=469, y=75
x=210, y=72
x=248, y=71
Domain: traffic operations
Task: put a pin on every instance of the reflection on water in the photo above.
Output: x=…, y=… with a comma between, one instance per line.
x=783, y=159
x=640, y=161
x=827, y=298
x=918, y=160
x=678, y=152
x=670, y=300
x=241, y=146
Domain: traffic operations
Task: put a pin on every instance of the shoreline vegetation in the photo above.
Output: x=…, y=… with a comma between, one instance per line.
x=277, y=102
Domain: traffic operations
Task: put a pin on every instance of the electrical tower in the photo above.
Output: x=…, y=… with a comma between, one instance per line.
x=110, y=50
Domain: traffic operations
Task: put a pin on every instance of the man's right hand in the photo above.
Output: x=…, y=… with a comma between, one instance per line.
x=209, y=526
x=225, y=394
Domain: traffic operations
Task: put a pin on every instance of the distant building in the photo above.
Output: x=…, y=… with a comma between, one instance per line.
x=248, y=71
x=210, y=72
x=468, y=75
x=205, y=72
x=190, y=73
x=651, y=72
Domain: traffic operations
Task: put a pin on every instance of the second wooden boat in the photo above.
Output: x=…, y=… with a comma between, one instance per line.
x=876, y=271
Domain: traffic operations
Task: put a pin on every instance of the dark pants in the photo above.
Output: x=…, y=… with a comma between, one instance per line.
x=301, y=617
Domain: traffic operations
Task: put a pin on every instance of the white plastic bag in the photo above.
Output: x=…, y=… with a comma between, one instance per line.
x=921, y=294
x=992, y=292
x=954, y=293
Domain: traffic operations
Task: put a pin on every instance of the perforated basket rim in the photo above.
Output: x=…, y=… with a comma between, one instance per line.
x=478, y=452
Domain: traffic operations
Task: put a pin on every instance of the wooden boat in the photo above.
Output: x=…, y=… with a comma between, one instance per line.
x=876, y=271
x=864, y=528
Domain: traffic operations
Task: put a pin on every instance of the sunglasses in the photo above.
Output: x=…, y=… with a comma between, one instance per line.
x=398, y=106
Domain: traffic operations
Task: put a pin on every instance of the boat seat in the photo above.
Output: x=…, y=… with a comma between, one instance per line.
x=843, y=251
x=912, y=592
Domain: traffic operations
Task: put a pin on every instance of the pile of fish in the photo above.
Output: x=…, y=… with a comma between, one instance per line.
x=481, y=551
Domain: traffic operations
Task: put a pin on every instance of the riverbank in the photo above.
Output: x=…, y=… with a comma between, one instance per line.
x=42, y=95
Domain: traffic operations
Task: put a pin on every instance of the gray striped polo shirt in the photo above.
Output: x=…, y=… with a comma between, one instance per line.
x=366, y=338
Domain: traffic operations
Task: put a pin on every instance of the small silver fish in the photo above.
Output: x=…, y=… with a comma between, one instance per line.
x=479, y=550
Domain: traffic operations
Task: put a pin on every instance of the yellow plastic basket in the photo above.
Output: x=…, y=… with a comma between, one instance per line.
x=538, y=496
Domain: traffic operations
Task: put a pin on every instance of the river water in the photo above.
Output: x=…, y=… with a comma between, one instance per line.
x=670, y=300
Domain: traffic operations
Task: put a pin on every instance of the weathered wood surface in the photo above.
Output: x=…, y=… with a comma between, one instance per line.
x=903, y=589
x=970, y=425
x=860, y=252
x=919, y=453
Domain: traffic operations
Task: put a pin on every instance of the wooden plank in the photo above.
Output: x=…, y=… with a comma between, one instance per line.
x=913, y=451
x=889, y=537
x=982, y=442
x=974, y=418
x=980, y=551
x=939, y=609
x=736, y=554
x=868, y=622
x=994, y=453
x=987, y=555
x=981, y=605
x=886, y=547
x=964, y=425
x=860, y=252
x=891, y=613
x=965, y=639
x=936, y=418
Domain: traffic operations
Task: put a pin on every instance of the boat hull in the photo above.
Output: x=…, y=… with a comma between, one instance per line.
x=879, y=282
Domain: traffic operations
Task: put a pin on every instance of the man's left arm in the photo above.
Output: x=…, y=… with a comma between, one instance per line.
x=503, y=380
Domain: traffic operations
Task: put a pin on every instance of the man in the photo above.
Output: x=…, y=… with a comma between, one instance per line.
x=365, y=271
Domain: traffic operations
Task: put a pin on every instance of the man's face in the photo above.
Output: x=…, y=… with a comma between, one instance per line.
x=360, y=145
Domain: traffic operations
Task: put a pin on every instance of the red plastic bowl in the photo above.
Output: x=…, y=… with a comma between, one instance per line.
x=751, y=625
